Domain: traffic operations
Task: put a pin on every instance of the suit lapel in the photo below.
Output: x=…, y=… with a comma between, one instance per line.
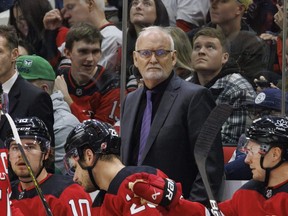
x=167, y=101
x=131, y=110
x=13, y=99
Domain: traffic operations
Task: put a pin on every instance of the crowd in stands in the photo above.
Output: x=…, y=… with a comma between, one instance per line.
x=60, y=82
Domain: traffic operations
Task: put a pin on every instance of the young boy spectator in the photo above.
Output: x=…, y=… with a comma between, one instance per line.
x=90, y=90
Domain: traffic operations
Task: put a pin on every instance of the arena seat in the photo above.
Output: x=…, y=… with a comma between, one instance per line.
x=228, y=152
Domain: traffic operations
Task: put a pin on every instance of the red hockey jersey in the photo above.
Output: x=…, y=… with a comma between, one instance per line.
x=120, y=200
x=63, y=196
x=98, y=99
x=252, y=199
x=5, y=188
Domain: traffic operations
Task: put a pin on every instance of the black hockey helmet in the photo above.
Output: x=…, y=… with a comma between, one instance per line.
x=31, y=127
x=115, y=141
x=89, y=133
x=98, y=136
x=270, y=131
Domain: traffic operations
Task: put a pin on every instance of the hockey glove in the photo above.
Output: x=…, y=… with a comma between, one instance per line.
x=157, y=190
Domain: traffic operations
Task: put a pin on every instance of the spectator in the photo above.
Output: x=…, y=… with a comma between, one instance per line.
x=275, y=40
x=266, y=194
x=177, y=106
x=89, y=89
x=212, y=69
x=92, y=12
x=24, y=98
x=183, y=66
x=40, y=73
x=27, y=18
x=187, y=14
x=62, y=195
x=260, y=16
x=267, y=102
x=249, y=51
x=142, y=13
x=92, y=150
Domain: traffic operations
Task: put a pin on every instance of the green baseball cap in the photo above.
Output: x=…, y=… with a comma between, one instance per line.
x=33, y=67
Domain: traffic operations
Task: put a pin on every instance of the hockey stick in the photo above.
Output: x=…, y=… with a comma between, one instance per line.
x=4, y=110
x=204, y=142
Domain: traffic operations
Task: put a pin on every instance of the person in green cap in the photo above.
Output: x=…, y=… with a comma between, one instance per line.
x=40, y=73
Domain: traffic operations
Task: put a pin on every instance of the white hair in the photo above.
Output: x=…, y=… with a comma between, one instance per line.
x=157, y=28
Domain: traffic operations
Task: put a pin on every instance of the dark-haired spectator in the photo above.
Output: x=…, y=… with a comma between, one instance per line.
x=214, y=70
x=260, y=16
x=275, y=41
x=89, y=89
x=249, y=51
x=27, y=18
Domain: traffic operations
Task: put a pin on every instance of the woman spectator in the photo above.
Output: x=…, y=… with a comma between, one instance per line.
x=27, y=18
x=142, y=13
x=184, y=51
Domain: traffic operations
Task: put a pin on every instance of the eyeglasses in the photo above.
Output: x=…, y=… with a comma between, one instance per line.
x=160, y=53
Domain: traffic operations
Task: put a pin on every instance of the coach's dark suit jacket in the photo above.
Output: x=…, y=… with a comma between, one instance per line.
x=180, y=115
x=26, y=100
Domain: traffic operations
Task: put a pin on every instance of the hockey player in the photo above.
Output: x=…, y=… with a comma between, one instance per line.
x=5, y=187
x=63, y=196
x=266, y=149
x=92, y=150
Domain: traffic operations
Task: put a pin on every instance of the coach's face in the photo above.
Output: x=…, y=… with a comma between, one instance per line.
x=156, y=67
